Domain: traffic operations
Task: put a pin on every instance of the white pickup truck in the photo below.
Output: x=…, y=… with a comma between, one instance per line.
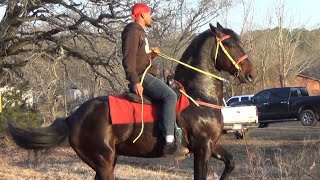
x=238, y=119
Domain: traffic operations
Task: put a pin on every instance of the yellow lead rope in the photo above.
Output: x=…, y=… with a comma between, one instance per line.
x=194, y=101
x=142, y=111
x=194, y=68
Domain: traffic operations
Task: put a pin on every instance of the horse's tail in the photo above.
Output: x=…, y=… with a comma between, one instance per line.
x=40, y=138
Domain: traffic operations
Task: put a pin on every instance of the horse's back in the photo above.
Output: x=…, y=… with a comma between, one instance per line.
x=89, y=122
x=92, y=127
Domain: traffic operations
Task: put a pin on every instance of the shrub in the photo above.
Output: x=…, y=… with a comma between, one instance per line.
x=16, y=110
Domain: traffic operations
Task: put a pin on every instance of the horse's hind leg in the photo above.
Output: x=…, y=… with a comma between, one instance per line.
x=105, y=166
x=101, y=158
x=202, y=154
x=220, y=153
x=97, y=149
x=106, y=171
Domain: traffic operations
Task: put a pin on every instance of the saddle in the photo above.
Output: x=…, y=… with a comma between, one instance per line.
x=133, y=97
x=126, y=108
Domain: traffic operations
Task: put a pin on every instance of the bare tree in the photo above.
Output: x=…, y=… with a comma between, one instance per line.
x=43, y=26
x=184, y=19
x=278, y=51
x=287, y=43
x=44, y=75
x=81, y=27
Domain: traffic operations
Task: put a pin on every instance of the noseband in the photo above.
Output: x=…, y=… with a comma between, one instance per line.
x=235, y=63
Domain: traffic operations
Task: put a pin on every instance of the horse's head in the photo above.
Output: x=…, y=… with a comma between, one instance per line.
x=229, y=54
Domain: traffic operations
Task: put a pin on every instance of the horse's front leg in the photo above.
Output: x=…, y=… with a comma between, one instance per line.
x=220, y=153
x=202, y=153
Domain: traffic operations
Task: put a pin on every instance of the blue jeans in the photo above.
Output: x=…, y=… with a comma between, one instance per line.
x=159, y=91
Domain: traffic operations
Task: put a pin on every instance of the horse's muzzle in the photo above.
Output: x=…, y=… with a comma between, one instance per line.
x=244, y=78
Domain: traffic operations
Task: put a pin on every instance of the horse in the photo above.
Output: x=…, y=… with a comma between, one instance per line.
x=98, y=142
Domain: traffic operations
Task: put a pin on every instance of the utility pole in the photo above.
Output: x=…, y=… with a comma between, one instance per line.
x=64, y=82
x=0, y=102
x=65, y=91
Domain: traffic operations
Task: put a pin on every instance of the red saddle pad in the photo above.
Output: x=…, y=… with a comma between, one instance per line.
x=123, y=111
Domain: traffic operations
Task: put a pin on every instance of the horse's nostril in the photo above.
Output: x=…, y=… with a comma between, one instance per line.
x=249, y=77
x=236, y=74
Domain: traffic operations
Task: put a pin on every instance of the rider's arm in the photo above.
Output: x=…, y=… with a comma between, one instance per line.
x=130, y=45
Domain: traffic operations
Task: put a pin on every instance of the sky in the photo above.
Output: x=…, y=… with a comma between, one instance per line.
x=300, y=13
x=297, y=13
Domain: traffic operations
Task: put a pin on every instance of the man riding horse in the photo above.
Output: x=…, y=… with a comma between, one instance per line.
x=136, y=57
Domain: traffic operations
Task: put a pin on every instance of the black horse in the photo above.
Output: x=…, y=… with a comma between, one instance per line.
x=98, y=142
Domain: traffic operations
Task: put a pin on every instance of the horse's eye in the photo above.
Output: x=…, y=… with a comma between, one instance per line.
x=230, y=45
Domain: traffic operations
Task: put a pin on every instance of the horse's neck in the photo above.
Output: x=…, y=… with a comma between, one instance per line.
x=197, y=85
x=205, y=89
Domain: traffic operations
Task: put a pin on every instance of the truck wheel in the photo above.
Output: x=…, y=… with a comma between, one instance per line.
x=240, y=135
x=307, y=118
x=263, y=125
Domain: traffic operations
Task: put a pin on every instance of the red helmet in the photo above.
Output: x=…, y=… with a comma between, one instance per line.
x=138, y=9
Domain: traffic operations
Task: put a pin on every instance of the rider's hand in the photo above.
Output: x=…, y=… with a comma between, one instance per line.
x=154, y=52
x=138, y=89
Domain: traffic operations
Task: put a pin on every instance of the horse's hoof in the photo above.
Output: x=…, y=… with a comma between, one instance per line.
x=185, y=151
x=179, y=158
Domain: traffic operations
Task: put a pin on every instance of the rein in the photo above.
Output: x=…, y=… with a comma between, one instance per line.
x=198, y=103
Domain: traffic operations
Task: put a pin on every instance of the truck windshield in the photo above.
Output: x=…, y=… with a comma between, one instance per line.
x=232, y=100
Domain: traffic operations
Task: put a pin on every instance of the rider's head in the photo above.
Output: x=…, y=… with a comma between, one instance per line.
x=141, y=14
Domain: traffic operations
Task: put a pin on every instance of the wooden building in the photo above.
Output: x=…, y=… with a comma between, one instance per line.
x=308, y=79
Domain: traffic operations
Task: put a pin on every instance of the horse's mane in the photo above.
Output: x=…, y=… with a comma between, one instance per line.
x=197, y=43
x=195, y=46
x=200, y=54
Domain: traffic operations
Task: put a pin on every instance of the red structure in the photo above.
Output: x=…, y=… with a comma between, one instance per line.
x=311, y=81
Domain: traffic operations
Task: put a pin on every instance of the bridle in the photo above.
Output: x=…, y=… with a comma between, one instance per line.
x=235, y=63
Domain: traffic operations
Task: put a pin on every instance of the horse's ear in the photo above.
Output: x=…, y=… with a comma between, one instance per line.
x=213, y=29
x=219, y=26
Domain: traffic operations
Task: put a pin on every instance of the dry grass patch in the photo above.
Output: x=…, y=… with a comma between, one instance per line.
x=290, y=152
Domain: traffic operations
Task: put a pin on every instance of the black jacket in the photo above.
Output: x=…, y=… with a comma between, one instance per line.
x=135, y=58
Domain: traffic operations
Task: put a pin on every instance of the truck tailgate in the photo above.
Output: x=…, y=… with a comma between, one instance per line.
x=243, y=114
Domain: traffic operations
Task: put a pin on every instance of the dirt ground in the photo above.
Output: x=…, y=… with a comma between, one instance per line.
x=281, y=151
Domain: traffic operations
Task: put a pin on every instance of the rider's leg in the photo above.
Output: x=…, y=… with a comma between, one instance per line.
x=158, y=90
